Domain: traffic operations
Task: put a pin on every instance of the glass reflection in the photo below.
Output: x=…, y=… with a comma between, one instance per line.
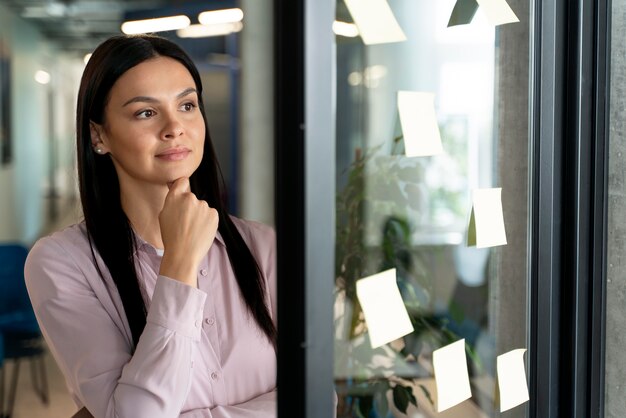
x=411, y=214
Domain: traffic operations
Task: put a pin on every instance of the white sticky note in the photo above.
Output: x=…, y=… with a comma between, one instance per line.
x=419, y=123
x=512, y=379
x=451, y=376
x=486, y=227
x=498, y=12
x=385, y=314
x=375, y=20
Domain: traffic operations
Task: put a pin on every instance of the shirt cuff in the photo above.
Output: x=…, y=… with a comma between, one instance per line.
x=177, y=307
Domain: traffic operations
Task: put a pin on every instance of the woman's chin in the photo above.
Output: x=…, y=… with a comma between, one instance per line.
x=176, y=174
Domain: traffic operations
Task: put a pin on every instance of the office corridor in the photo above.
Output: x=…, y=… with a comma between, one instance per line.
x=28, y=404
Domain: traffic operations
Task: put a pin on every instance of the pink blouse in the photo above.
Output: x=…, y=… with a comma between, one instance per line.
x=201, y=353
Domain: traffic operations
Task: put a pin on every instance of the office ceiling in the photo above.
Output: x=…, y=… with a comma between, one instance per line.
x=79, y=25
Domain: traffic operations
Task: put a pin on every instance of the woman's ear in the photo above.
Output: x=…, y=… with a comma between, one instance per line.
x=97, y=138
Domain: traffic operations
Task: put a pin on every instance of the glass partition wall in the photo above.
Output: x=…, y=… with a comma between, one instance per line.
x=385, y=150
x=410, y=215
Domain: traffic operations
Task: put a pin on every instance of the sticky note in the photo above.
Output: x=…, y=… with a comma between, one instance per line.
x=498, y=12
x=385, y=314
x=512, y=379
x=419, y=123
x=451, y=376
x=463, y=12
x=375, y=20
x=486, y=226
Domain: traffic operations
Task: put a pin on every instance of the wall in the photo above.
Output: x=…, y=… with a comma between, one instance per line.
x=23, y=208
x=615, y=407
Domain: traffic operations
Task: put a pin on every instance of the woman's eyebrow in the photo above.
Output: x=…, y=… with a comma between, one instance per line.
x=186, y=92
x=148, y=99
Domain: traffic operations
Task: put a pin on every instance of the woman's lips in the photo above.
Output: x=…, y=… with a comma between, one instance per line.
x=175, y=154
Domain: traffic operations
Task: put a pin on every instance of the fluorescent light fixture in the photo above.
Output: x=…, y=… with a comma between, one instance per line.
x=215, y=17
x=204, y=31
x=346, y=29
x=86, y=58
x=160, y=24
x=42, y=77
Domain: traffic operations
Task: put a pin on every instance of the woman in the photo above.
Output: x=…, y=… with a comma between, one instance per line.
x=159, y=304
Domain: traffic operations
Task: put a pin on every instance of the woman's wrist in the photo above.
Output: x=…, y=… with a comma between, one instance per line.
x=179, y=268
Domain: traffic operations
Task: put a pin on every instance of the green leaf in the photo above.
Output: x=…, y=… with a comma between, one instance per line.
x=401, y=398
x=412, y=398
x=427, y=394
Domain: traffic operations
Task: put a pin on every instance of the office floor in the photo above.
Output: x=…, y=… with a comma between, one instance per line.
x=28, y=404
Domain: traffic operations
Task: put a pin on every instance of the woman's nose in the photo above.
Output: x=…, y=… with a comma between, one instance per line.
x=173, y=128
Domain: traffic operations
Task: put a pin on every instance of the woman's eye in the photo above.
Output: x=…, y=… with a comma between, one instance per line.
x=188, y=107
x=145, y=114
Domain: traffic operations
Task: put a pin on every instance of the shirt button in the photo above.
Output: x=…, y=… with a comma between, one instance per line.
x=214, y=376
x=204, y=272
x=210, y=321
x=198, y=323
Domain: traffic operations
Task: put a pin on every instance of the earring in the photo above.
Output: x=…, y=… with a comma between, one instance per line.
x=99, y=150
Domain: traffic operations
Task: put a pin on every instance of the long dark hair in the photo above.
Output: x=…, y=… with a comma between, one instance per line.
x=108, y=228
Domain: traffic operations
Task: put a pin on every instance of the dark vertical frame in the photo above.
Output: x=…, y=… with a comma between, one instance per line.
x=600, y=182
x=545, y=197
x=290, y=199
x=305, y=205
x=569, y=108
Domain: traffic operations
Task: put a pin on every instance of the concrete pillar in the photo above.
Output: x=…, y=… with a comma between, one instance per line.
x=615, y=407
x=256, y=150
x=508, y=267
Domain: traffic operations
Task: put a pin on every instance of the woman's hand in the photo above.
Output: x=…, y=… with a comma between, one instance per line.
x=188, y=228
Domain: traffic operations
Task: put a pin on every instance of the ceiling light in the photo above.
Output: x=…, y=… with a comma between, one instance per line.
x=155, y=25
x=42, y=77
x=204, y=31
x=214, y=17
x=345, y=29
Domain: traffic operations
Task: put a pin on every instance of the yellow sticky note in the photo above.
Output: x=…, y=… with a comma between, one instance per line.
x=375, y=20
x=451, y=376
x=486, y=226
x=512, y=379
x=385, y=314
x=419, y=123
x=498, y=12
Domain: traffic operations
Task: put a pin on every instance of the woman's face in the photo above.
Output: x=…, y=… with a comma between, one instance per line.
x=153, y=128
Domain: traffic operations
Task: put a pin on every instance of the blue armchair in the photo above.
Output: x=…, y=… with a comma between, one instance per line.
x=18, y=326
